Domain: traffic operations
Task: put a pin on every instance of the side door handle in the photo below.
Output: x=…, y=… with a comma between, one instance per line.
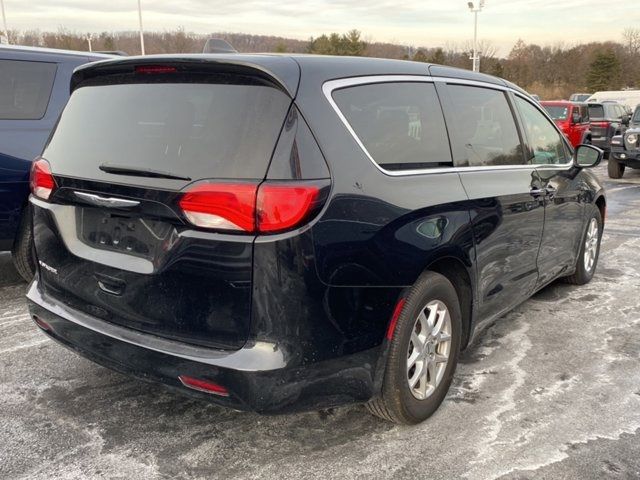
x=538, y=192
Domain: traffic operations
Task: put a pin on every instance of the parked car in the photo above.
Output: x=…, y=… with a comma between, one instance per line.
x=625, y=149
x=628, y=98
x=278, y=233
x=572, y=119
x=579, y=97
x=607, y=120
x=34, y=87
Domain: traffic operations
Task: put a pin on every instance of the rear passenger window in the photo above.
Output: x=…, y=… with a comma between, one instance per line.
x=484, y=132
x=401, y=125
x=544, y=140
x=25, y=88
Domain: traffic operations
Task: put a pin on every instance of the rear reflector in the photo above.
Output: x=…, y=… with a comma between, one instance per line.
x=249, y=208
x=155, y=69
x=203, y=386
x=394, y=318
x=41, y=181
x=42, y=324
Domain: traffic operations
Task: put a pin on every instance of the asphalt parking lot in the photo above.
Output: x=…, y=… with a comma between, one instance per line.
x=551, y=390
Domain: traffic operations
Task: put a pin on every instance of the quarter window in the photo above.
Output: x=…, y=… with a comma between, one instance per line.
x=400, y=124
x=484, y=132
x=25, y=88
x=545, y=143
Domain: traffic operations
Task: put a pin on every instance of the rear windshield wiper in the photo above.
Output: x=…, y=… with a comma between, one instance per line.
x=139, y=172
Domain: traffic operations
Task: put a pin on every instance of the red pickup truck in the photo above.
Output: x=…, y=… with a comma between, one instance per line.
x=572, y=118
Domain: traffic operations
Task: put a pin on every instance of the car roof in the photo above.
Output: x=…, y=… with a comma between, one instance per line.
x=39, y=53
x=287, y=69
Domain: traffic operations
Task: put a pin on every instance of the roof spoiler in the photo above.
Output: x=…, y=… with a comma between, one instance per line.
x=217, y=45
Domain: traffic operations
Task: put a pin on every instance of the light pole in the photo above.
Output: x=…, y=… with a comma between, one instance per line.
x=89, y=37
x=475, y=10
x=140, y=21
x=5, y=32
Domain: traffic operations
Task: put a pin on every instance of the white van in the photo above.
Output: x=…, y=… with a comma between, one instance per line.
x=629, y=98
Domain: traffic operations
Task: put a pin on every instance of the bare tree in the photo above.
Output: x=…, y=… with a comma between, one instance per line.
x=631, y=40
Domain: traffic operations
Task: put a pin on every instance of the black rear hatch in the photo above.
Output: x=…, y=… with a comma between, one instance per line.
x=112, y=240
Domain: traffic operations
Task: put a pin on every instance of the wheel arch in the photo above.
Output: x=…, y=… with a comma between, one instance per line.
x=601, y=204
x=459, y=275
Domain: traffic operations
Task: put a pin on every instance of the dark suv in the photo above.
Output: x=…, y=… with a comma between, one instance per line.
x=625, y=149
x=608, y=119
x=281, y=233
x=34, y=88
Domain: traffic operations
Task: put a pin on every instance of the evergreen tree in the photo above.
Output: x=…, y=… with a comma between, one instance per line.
x=604, y=72
x=437, y=57
x=336, y=44
x=420, y=56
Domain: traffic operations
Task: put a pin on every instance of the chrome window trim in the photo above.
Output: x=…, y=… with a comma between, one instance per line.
x=331, y=85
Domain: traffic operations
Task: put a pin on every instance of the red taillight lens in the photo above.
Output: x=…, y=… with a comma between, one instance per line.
x=41, y=181
x=203, y=385
x=601, y=124
x=155, y=69
x=247, y=208
x=224, y=206
x=280, y=207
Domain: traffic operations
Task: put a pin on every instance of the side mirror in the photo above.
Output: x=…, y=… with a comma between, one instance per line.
x=625, y=120
x=587, y=156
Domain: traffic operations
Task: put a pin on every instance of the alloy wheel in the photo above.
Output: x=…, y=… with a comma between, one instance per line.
x=429, y=349
x=591, y=245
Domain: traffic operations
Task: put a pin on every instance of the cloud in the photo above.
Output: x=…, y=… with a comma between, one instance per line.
x=425, y=22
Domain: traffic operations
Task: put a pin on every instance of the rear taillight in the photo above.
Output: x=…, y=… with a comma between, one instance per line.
x=249, y=208
x=281, y=207
x=601, y=124
x=223, y=206
x=41, y=181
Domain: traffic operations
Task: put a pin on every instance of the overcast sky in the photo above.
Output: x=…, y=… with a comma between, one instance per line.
x=421, y=23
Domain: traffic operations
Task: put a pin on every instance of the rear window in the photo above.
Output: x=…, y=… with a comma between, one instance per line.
x=596, y=111
x=400, y=124
x=192, y=130
x=25, y=88
x=557, y=112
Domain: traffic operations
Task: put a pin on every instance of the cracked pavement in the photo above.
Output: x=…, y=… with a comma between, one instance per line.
x=551, y=390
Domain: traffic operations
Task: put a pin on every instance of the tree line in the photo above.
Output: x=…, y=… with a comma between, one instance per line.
x=549, y=71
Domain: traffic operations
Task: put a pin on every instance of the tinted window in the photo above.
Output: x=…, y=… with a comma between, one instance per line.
x=483, y=130
x=636, y=115
x=596, y=111
x=194, y=130
x=544, y=140
x=25, y=88
x=557, y=112
x=400, y=124
x=584, y=113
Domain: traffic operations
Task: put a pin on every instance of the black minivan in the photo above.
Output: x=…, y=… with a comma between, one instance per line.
x=281, y=233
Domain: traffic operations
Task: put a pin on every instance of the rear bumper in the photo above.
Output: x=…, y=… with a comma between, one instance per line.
x=602, y=142
x=260, y=377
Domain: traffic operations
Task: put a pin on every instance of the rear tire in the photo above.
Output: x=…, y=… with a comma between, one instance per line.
x=23, y=252
x=589, y=248
x=615, y=169
x=398, y=402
